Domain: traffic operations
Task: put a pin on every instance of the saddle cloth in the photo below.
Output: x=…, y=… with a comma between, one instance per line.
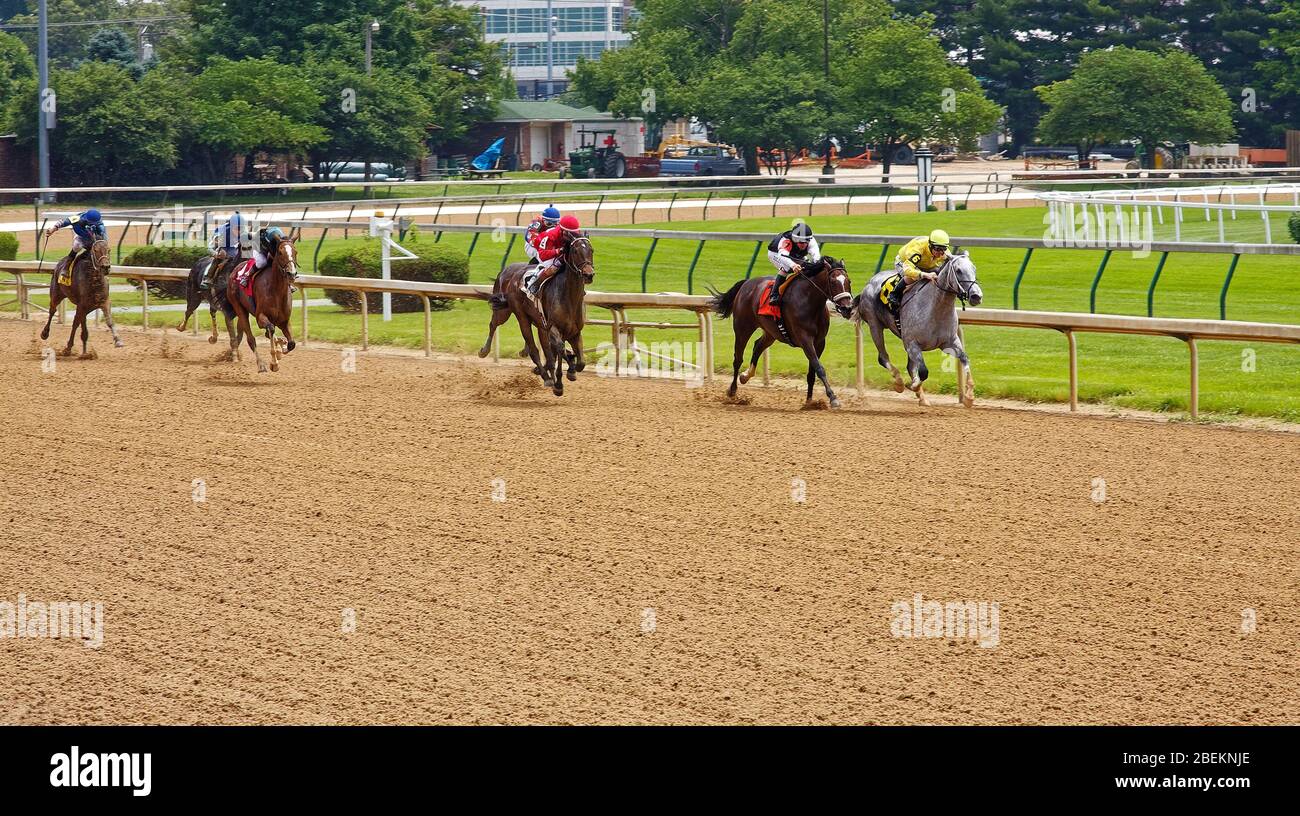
x=886, y=289
x=244, y=277
x=65, y=270
x=765, y=307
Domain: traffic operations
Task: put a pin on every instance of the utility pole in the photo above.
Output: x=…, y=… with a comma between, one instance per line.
x=42, y=115
x=827, y=168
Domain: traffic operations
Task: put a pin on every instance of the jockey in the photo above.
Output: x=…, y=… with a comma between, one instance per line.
x=227, y=238
x=87, y=227
x=790, y=252
x=268, y=238
x=547, y=220
x=920, y=259
x=550, y=246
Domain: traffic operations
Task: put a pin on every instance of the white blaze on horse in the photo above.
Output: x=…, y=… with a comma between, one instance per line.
x=927, y=320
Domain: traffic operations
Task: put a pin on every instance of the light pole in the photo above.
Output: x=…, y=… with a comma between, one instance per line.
x=551, y=20
x=42, y=116
x=370, y=29
x=827, y=169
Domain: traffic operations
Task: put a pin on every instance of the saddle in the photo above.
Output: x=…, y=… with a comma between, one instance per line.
x=765, y=307
x=65, y=267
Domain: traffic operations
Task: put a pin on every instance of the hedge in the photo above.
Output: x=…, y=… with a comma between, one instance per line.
x=8, y=246
x=1292, y=224
x=435, y=264
x=178, y=257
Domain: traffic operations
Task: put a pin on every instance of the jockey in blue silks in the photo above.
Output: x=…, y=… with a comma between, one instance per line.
x=226, y=242
x=87, y=228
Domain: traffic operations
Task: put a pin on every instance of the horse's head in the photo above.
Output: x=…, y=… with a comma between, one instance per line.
x=958, y=276
x=579, y=255
x=840, y=289
x=99, y=256
x=286, y=258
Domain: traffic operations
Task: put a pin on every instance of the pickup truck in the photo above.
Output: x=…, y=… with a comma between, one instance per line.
x=704, y=161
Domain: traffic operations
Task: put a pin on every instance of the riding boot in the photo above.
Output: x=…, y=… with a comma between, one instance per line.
x=896, y=296
x=208, y=277
x=535, y=285
x=774, y=299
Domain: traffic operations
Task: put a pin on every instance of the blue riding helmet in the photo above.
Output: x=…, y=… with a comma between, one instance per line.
x=91, y=216
x=551, y=214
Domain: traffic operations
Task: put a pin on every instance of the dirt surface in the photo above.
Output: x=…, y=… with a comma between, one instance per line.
x=649, y=562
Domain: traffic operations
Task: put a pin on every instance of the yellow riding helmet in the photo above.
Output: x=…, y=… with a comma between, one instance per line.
x=939, y=238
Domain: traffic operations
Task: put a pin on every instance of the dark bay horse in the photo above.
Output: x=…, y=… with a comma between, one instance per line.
x=216, y=296
x=803, y=311
x=88, y=291
x=271, y=304
x=560, y=319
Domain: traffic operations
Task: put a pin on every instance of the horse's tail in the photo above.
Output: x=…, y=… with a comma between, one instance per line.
x=498, y=301
x=722, y=303
x=857, y=315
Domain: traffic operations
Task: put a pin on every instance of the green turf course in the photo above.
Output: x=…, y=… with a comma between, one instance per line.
x=1135, y=372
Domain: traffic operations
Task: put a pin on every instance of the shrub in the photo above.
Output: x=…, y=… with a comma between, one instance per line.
x=436, y=264
x=175, y=257
x=8, y=246
x=931, y=208
x=961, y=206
x=1292, y=224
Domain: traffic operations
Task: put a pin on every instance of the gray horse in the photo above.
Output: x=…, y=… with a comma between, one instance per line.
x=928, y=321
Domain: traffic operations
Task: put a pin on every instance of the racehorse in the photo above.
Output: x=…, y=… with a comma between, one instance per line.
x=803, y=316
x=927, y=320
x=271, y=303
x=88, y=290
x=560, y=318
x=216, y=297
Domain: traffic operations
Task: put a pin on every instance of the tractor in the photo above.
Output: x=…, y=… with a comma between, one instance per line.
x=598, y=156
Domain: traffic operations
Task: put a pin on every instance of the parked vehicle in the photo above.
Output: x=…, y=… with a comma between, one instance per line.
x=704, y=161
x=598, y=157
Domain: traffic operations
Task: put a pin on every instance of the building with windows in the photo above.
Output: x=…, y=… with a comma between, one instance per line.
x=582, y=28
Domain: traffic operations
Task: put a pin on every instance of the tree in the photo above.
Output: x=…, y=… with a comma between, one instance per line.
x=111, y=129
x=1148, y=97
x=1279, y=94
x=898, y=87
x=769, y=103
x=16, y=68
x=251, y=105
x=114, y=47
x=383, y=116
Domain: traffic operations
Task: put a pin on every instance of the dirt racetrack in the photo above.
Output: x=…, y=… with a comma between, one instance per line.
x=648, y=564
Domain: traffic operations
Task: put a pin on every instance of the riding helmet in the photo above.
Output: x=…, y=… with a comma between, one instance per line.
x=570, y=223
x=90, y=216
x=550, y=214
x=939, y=238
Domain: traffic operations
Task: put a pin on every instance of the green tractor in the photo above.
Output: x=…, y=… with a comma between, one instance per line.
x=598, y=156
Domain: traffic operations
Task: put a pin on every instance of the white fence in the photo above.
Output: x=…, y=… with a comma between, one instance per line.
x=1187, y=331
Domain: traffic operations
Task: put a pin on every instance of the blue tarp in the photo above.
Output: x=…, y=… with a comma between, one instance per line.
x=488, y=159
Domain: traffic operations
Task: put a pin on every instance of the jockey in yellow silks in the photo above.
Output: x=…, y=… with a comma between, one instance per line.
x=920, y=258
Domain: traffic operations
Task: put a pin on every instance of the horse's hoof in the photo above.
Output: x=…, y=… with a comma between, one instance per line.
x=119, y=344
x=571, y=374
x=45, y=335
x=67, y=352
x=744, y=378
x=292, y=345
x=483, y=352
x=212, y=339
x=558, y=390
x=969, y=402
x=899, y=387
x=580, y=366
x=181, y=327
x=835, y=403
x=275, y=366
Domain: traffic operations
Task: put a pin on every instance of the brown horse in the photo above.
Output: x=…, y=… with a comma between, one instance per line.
x=88, y=291
x=560, y=318
x=803, y=314
x=271, y=304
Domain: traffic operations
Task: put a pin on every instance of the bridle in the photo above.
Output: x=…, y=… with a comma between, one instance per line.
x=568, y=264
x=824, y=265
x=962, y=291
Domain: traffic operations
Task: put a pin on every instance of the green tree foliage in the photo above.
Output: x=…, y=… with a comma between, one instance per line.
x=16, y=68
x=382, y=117
x=897, y=86
x=1140, y=95
x=111, y=129
x=1278, y=88
x=111, y=45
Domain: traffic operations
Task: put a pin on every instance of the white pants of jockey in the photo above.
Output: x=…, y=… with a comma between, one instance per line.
x=541, y=267
x=78, y=244
x=530, y=251
x=781, y=262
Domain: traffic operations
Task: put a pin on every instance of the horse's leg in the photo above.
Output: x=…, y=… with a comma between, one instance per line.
x=235, y=334
x=499, y=316
x=958, y=352
x=812, y=377
x=572, y=357
x=107, y=308
x=743, y=330
x=212, y=315
x=882, y=355
x=245, y=330
x=270, y=341
x=579, y=363
x=290, y=343
x=526, y=329
x=557, y=354
x=917, y=369
x=814, y=351
x=79, y=321
x=192, y=300
x=56, y=296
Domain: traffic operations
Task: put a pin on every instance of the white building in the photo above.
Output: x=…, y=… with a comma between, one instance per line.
x=582, y=28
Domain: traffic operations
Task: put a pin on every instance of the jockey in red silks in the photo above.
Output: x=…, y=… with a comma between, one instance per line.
x=547, y=220
x=550, y=246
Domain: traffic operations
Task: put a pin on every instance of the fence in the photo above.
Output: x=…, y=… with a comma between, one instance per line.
x=1188, y=331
